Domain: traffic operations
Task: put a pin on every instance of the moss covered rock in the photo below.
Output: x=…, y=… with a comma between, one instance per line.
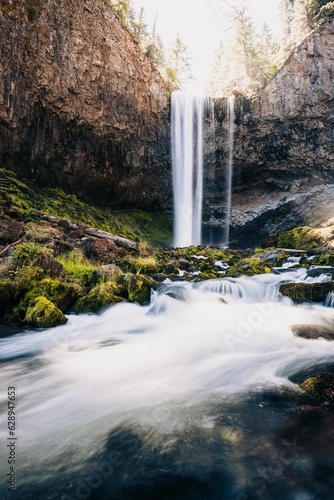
x=313, y=332
x=139, y=288
x=100, y=297
x=314, y=292
x=249, y=267
x=322, y=386
x=62, y=294
x=208, y=275
x=300, y=238
x=44, y=314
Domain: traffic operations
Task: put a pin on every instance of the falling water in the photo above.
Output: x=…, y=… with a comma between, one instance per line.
x=188, y=113
x=329, y=302
x=230, y=117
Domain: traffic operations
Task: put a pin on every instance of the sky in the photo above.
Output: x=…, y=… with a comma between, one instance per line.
x=202, y=25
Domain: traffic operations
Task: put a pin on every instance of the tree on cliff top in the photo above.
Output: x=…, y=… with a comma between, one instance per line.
x=178, y=64
x=246, y=61
x=120, y=7
x=298, y=18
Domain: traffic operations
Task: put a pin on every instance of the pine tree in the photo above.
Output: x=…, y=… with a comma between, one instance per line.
x=178, y=67
x=247, y=61
x=300, y=26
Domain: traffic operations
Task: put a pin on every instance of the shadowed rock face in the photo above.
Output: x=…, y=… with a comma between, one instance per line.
x=80, y=104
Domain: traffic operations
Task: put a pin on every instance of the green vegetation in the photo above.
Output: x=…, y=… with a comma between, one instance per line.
x=21, y=198
x=249, y=267
x=139, y=288
x=32, y=14
x=321, y=386
x=77, y=267
x=100, y=297
x=326, y=11
x=44, y=314
x=300, y=238
x=251, y=56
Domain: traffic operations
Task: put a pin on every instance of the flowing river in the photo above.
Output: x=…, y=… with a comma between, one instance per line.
x=192, y=397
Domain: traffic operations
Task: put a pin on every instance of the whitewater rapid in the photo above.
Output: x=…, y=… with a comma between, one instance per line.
x=195, y=345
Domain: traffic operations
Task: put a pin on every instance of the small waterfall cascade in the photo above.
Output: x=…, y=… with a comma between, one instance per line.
x=187, y=129
x=329, y=301
x=229, y=176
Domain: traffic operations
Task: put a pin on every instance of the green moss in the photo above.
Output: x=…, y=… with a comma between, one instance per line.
x=43, y=314
x=22, y=197
x=139, y=288
x=60, y=293
x=209, y=275
x=101, y=296
x=299, y=238
x=145, y=265
x=283, y=211
x=327, y=11
x=249, y=267
x=32, y=14
x=314, y=292
x=28, y=251
x=77, y=267
x=322, y=386
x=324, y=259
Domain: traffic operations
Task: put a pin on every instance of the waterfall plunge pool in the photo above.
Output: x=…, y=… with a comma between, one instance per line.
x=192, y=397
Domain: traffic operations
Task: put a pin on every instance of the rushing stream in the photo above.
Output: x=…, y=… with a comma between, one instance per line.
x=192, y=397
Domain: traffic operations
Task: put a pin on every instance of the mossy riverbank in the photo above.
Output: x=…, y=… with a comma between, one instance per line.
x=51, y=267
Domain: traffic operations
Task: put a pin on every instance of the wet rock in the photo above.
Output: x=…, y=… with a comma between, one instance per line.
x=101, y=250
x=184, y=264
x=109, y=272
x=311, y=252
x=100, y=297
x=313, y=332
x=321, y=386
x=139, y=288
x=313, y=292
x=10, y=231
x=170, y=268
x=62, y=294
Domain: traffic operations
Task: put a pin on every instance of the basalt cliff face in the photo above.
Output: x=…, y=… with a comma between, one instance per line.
x=283, y=147
x=80, y=105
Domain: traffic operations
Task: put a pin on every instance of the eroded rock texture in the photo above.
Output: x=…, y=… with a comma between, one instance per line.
x=284, y=142
x=80, y=104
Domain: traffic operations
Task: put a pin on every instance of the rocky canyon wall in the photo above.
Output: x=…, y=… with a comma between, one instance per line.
x=80, y=105
x=284, y=140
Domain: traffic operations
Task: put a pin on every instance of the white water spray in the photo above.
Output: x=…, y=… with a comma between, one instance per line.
x=230, y=117
x=187, y=155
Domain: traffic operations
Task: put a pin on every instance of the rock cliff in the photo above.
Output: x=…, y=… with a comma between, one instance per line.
x=80, y=104
x=284, y=142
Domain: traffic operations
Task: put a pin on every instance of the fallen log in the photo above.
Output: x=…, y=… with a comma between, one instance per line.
x=91, y=231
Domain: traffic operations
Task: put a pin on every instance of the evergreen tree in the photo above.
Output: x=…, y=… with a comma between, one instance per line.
x=300, y=25
x=247, y=61
x=178, y=67
x=120, y=7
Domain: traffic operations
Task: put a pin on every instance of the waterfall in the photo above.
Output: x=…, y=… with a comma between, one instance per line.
x=230, y=117
x=329, y=301
x=188, y=114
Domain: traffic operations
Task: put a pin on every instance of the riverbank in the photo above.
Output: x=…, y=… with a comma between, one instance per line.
x=61, y=255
